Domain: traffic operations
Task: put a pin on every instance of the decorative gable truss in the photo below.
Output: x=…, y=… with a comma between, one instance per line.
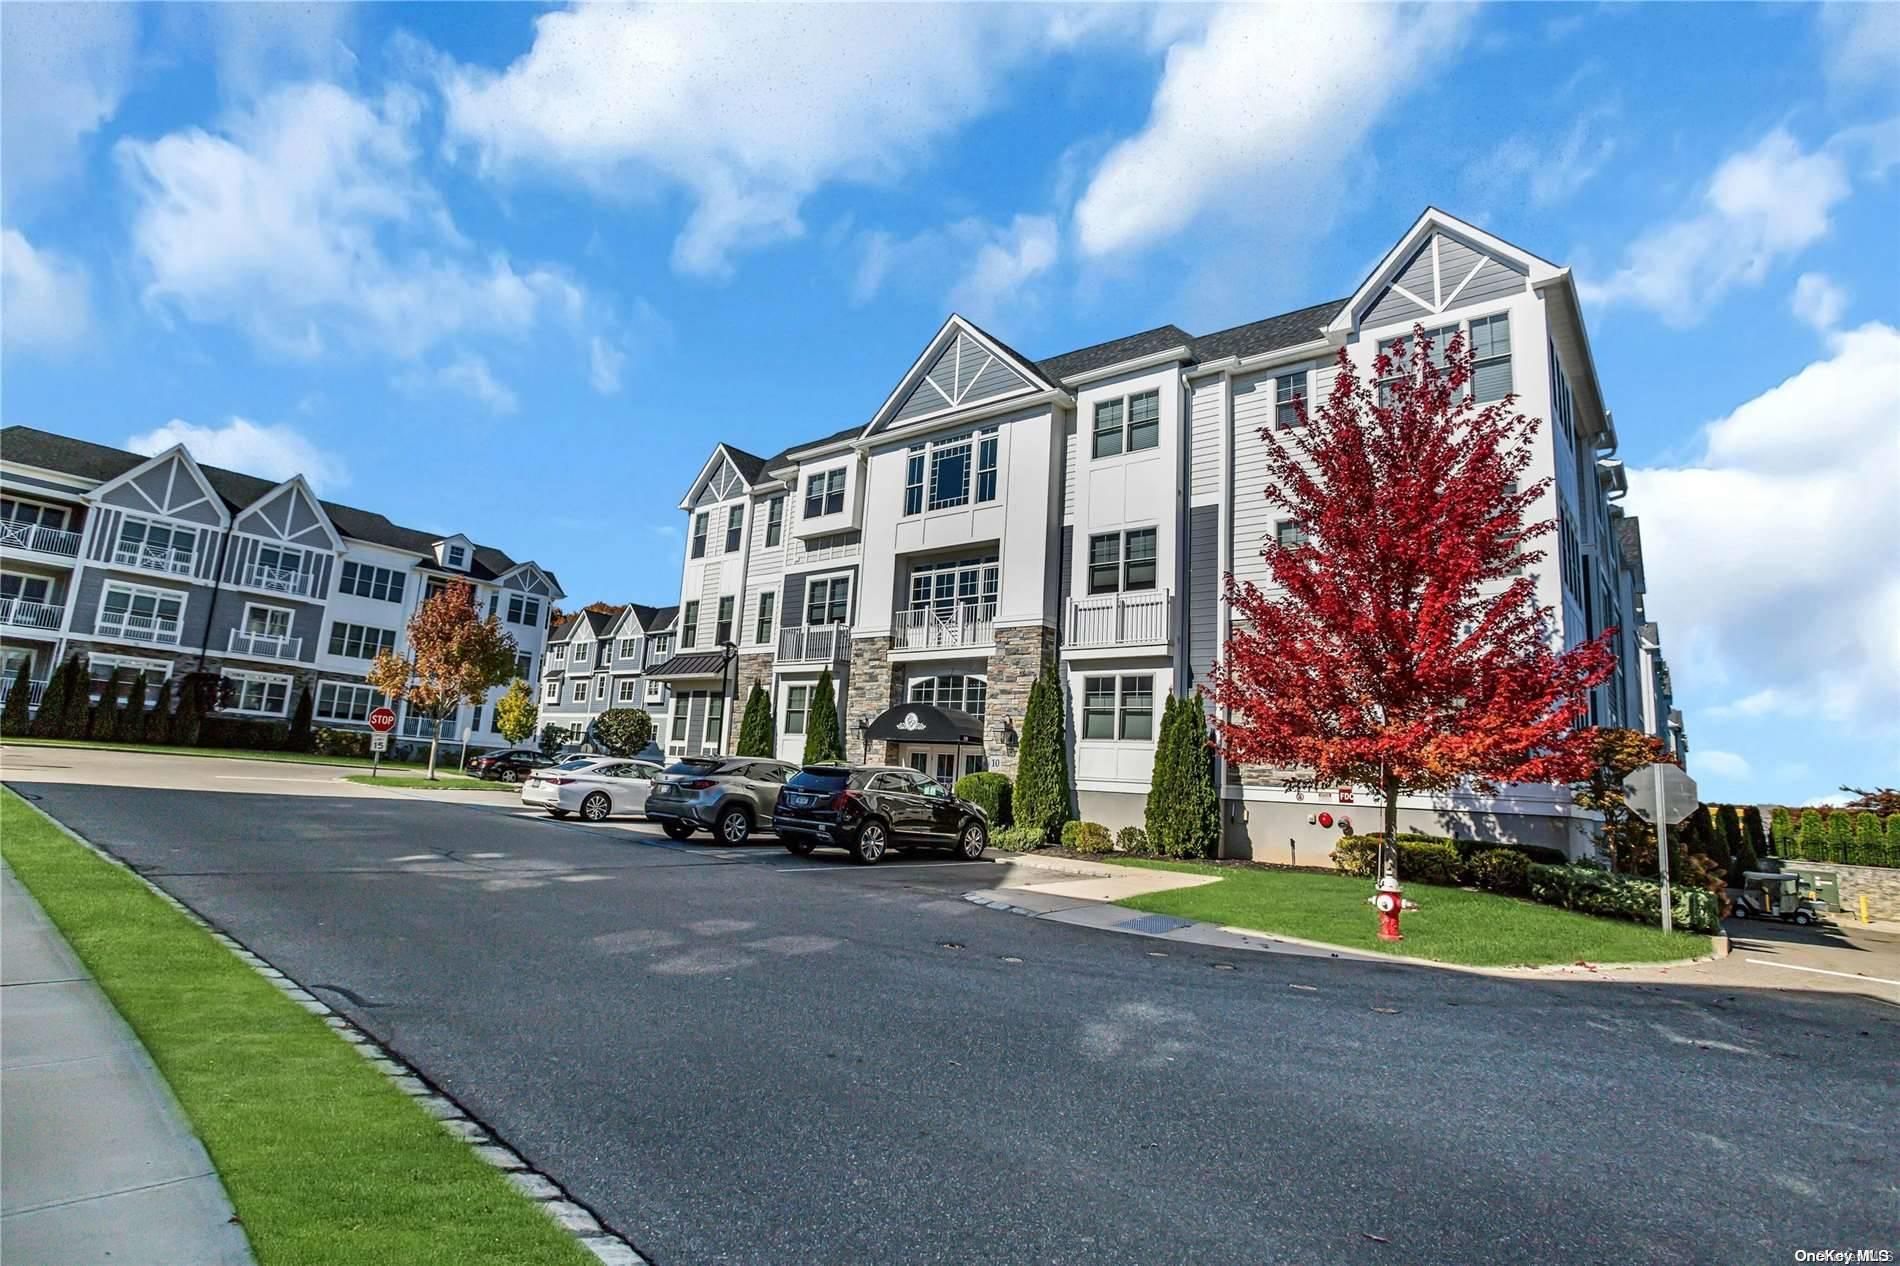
x=530, y=579
x=285, y=543
x=169, y=487
x=718, y=480
x=1443, y=273
x=960, y=368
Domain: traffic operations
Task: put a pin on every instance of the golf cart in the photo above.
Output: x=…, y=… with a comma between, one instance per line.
x=1774, y=894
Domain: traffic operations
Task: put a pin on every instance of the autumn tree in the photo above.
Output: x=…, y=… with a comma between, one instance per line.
x=1881, y=800
x=455, y=657
x=1401, y=644
x=515, y=714
x=1615, y=754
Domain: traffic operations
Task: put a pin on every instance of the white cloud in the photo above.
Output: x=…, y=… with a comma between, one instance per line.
x=258, y=45
x=749, y=108
x=1254, y=120
x=1721, y=764
x=1863, y=43
x=269, y=452
x=64, y=68
x=1761, y=205
x=466, y=375
x=1549, y=173
x=604, y=362
x=43, y=295
x=1832, y=798
x=1818, y=301
x=982, y=270
x=306, y=225
x=1770, y=561
x=1009, y=260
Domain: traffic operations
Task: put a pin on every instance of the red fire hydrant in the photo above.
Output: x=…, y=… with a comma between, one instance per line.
x=1389, y=901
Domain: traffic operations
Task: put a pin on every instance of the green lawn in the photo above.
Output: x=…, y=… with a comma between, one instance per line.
x=234, y=753
x=445, y=780
x=325, y=1159
x=1478, y=929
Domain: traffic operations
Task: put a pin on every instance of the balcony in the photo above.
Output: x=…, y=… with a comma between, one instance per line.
x=264, y=645
x=35, y=689
x=814, y=644
x=39, y=540
x=1120, y=619
x=20, y=614
x=951, y=627
x=159, y=558
x=290, y=580
x=159, y=630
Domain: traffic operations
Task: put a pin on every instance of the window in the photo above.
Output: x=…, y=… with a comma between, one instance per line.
x=735, y=525
x=1138, y=708
x=32, y=513
x=699, y=535
x=156, y=546
x=1098, y=708
x=600, y=689
x=553, y=693
x=259, y=694
x=580, y=691
x=140, y=614
x=581, y=651
x=1127, y=425
x=1491, y=357
x=1123, y=561
x=17, y=588
x=360, y=641
x=455, y=556
x=524, y=665
x=1400, y=349
x=624, y=693
x=560, y=653
x=824, y=493
x=679, y=718
x=774, y=521
x=662, y=646
x=270, y=622
x=629, y=648
x=955, y=691
x=523, y=609
x=366, y=581
x=343, y=701
x=914, y=481
x=797, y=701
x=722, y=631
x=762, y=631
x=689, y=625
x=1287, y=533
x=986, y=445
x=1105, y=715
x=1289, y=398
x=942, y=589
x=715, y=720
x=828, y=601
x=949, y=474
x=278, y=567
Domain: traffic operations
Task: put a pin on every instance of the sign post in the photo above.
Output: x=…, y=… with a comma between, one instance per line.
x=1662, y=795
x=381, y=721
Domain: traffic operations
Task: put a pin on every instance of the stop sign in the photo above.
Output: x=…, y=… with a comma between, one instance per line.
x=382, y=720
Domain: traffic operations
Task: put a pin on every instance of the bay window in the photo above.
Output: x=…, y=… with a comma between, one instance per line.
x=824, y=493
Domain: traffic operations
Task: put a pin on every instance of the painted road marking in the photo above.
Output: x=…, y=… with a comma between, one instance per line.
x=820, y=868
x=271, y=778
x=1822, y=971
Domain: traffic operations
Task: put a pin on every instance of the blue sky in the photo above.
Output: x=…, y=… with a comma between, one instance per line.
x=510, y=270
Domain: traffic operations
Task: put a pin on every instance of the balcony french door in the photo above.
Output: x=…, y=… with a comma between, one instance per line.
x=951, y=604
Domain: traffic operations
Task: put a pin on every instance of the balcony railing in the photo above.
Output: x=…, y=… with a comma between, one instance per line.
x=814, y=644
x=43, y=540
x=21, y=614
x=944, y=627
x=35, y=690
x=264, y=645
x=159, y=630
x=173, y=562
x=422, y=728
x=1120, y=619
x=290, y=580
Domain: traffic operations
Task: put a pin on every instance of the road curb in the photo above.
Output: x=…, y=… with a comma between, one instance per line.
x=560, y=1207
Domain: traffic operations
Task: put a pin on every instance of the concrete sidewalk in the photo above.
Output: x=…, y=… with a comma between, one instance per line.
x=97, y=1162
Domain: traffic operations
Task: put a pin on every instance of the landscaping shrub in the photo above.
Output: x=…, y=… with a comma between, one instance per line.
x=51, y=718
x=298, y=737
x=1500, y=870
x=333, y=742
x=1589, y=890
x=1087, y=837
x=15, y=718
x=76, y=705
x=1425, y=859
x=1893, y=839
x=756, y=730
x=1781, y=831
x=134, y=724
x=158, y=722
x=824, y=739
x=989, y=792
x=1869, y=846
x=1467, y=849
x=1840, y=835
x=623, y=731
x=1810, y=838
x=1131, y=839
x=1041, y=794
x=243, y=733
x=1018, y=839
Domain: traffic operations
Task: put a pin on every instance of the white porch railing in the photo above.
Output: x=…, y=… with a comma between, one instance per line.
x=159, y=630
x=1120, y=619
x=291, y=580
x=939, y=628
x=35, y=689
x=163, y=558
x=29, y=615
x=44, y=540
x=814, y=643
x=264, y=645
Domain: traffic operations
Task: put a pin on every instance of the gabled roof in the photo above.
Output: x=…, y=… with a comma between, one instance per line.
x=1257, y=338
x=1115, y=352
x=207, y=494
x=1432, y=221
x=298, y=482
x=955, y=333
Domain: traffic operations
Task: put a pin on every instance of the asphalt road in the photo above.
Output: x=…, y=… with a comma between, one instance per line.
x=740, y=1056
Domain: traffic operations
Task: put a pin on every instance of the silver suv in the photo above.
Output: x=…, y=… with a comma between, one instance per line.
x=727, y=795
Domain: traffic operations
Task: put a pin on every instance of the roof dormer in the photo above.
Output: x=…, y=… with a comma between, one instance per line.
x=457, y=553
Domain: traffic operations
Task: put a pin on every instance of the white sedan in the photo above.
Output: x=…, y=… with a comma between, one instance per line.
x=592, y=787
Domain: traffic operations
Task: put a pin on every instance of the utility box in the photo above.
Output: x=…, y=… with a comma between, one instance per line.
x=1825, y=884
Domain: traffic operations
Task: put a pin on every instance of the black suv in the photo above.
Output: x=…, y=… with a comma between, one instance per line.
x=867, y=810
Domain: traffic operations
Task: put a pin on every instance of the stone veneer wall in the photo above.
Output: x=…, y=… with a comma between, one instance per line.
x=1020, y=654
x=874, y=684
x=1881, y=884
x=756, y=667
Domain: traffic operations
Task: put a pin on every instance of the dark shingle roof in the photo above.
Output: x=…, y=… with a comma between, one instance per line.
x=1289, y=329
x=661, y=617
x=750, y=466
x=1115, y=351
x=30, y=446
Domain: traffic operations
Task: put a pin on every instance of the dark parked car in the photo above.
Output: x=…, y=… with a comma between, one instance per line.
x=867, y=810
x=731, y=796
x=509, y=766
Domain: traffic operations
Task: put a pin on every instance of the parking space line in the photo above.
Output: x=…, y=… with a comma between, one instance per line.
x=1822, y=971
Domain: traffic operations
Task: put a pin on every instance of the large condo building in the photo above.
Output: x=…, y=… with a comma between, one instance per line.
x=598, y=660
x=163, y=565
x=998, y=512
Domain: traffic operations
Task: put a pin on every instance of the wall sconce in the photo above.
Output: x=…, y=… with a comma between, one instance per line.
x=1008, y=734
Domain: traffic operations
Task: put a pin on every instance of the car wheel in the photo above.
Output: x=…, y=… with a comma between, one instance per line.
x=597, y=806
x=557, y=813
x=676, y=829
x=735, y=826
x=511, y=775
x=972, y=841
x=1803, y=918
x=799, y=848
x=872, y=843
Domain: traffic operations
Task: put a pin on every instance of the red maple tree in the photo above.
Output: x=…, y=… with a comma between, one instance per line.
x=1402, y=646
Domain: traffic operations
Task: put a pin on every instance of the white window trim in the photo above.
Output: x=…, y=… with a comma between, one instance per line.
x=198, y=534
x=245, y=676
x=131, y=590
x=289, y=614
x=844, y=492
x=26, y=576
x=337, y=684
x=627, y=692
x=66, y=524
x=1127, y=423
x=579, y=693
x=162, y=668
x=812, y=578
x=553, y=692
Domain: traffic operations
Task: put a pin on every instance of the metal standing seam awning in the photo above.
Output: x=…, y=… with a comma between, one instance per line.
x=693, y=664
x=925, y=723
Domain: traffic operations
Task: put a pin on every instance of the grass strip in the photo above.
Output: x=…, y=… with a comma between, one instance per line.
x=443, y=782
x=1452, y=925
x=325, y=1160
x=227, y=753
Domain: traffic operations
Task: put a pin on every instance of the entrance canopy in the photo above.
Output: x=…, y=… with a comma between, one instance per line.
x=923, y=723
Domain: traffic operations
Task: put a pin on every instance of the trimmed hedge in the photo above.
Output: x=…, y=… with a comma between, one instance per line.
x=1131, y=839
x=1589, y=890
x=1432, y=859
x=1018, y=839
x=246, y=735
x=1087, y=837
x=331, y=742
x=1503, y=870
x=989, y=792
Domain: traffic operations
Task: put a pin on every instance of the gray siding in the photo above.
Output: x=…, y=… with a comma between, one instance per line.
x=695, y=721
x=105, y=531
x=306, y=622
x=793, y=604
x=1204, y=431
x=1493, y=279
x=1393, y=306
x=979, y=376
x=92, y=580
x=1416, y=276
x=1203, y=589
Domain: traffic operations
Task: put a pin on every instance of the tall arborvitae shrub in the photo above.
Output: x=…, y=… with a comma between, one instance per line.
x=1041, y=798
x=1159, y=819
x=16, y=717
x=1712, y=838
x=105, y=717
x=188, y=721
x=158, y=722
x=1781, y=831
x=1869, y=847
x=1754, y=838
x=1810, y=837
x=1893, y=839
x=756, y=736
x=134, y=725
x=1840, y=835
x=50, y=720
x=1729, y=818
x=298, y=738
x=824, y=740
x=1203, y=817
x=75, y=716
